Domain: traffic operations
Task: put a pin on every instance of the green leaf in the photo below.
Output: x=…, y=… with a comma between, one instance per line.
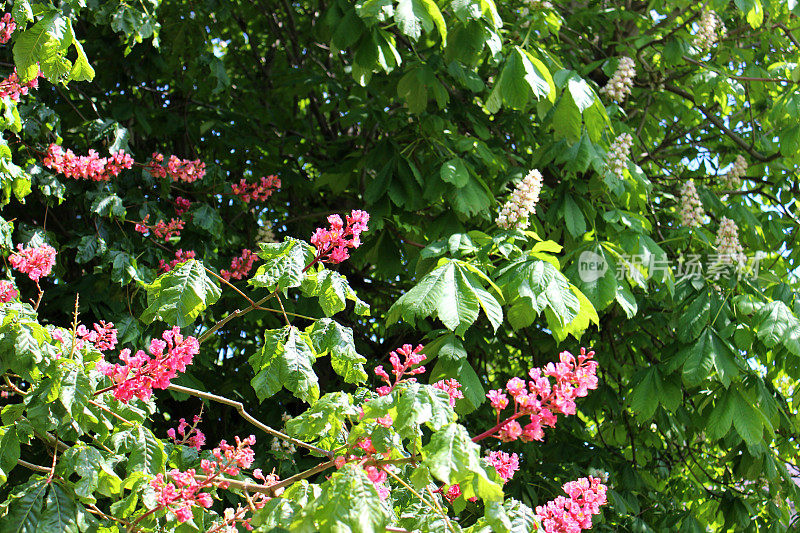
x=471, y=384
x=207, y=218
x=576, y=224
x=522, y=76
x=412, y=16
x=81, y=70
x=753, y=10
x=328, y=336
x=348, y=503
x=44, y=46
x=454, y=171
x=60, y=513
x=179, y=296
x=775, y=324
x=746, y=418
x=582, y=93
x=76, y=391
x=333, y=290
x=450, y=292
x=721, y=418
x=145, y=451
x=644, y=397
x=538, y=285
x=323, y=421
x=511, y=516
x=25, y=508
x=699, y=359
x=9, y=452
x=452, y=457
x=283, y=264
x=422, y=404
x=22, y=12
x=285, y=360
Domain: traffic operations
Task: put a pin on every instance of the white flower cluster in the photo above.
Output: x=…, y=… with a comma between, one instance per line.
x=711, y=29
x=280, y=446
x=692, y=212
x=733, y=179
x=728, y=247
x=522, y=203
x=265, y=233
x=619, y=86
x=618, y=154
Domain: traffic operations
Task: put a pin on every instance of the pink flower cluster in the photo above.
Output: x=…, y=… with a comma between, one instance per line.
x=142, y=373
x=12, y=87
x=332, y=244
x=258, y=192
x=411, y=357
x=103, y=336
x=88, y=167
x=162, y=230
x=505, y=464
x=450, y=386
x=541, y=400
x=375, y=473
x=194, y=437
x=7, y=291
x=180, y=257
x=240, y=266
x=183, y=493
x=177, y=169
x=36, y=262
x=7, y=27
x=182, y=205
x=573, y=514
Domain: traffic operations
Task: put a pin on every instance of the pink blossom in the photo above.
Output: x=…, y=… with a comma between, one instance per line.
x=240, y=266
x=400, y=369
x=451, y=387
x=142, y=373
x=12, y=87
x=543, y=400
x=7, y=27
x=90, y=167
x=510, y=431
x=102, y=336
x=497, y=399
x=260, y=191
x=177, y=169
x=193, y=438
x=182, y=205
x=332, y=244
x=161, y=229
x=573, y=514
x=36, y=262
x=7, y=291
x=505, y=464
x=180, y=257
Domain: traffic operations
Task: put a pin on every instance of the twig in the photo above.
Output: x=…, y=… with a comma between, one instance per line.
x=31, y=466
x=233, y=315
x=240, y=408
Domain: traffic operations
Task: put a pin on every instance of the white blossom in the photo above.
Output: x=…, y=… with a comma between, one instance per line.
x=692, y=213
x=619, y=86
x=265, y=233
x=728, y=247
x=710, y=30
x=733, y=180
x=618, y=155
x=522, y=203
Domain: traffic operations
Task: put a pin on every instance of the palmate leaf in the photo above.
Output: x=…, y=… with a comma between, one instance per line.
x=328, y=336
x=325, y=418
x=179, y=296
x=9, y=451
x=145, y=452
x=25, y=508
x=333, y=290
x=348, y=503
x=283, y=264
x=775, y=324
x=452, y=457
x=451, y=292
x=510, y=516
x=285, y=360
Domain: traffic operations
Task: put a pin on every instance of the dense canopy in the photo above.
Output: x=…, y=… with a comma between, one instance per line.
x=511, y=179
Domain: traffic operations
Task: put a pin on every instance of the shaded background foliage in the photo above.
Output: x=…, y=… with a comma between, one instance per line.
x=425, y=117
